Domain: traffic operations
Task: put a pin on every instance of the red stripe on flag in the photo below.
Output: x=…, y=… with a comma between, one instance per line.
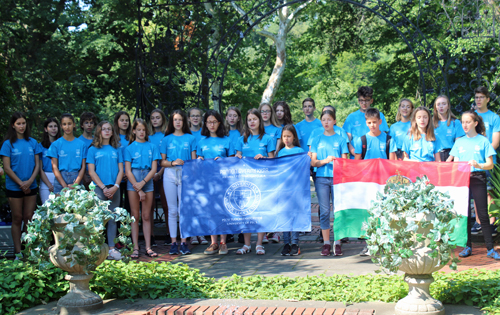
x=455, y=174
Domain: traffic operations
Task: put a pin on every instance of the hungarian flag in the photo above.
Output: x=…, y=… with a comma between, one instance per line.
x=356, y=183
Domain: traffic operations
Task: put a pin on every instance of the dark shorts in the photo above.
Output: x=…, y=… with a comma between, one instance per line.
x=20, y=193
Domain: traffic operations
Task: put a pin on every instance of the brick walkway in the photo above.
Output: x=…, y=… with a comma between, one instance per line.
x=176, y=309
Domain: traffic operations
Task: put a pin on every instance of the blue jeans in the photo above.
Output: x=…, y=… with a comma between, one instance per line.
x=139, y=176
x=294, y=237
x=69, y=178
x=324, y=189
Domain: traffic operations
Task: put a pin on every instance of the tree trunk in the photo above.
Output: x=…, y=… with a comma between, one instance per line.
x=279, y=69
x=216, y=84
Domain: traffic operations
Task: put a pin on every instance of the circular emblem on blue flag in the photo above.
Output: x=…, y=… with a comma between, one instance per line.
x=242, y=198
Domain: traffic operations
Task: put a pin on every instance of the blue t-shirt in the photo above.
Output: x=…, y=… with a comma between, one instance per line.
x=45, y=159
x=294, y=150
x=123, y=145
x=234, y=135
x=273, y=131
x=477, y=148
x=142, y=155
x=197, y=135
x=22, y=160
x=375, y=146
x=491, y=123
x=178, y=147
x=305, y=129
x=87, y=142
x=355, y=124
x=255, y=146
x=399, y=131
x=325, y=146
x=70, y=154
x=106, y=161
x=446, y=135
x=212, y=147
x=319, y=131
x=156, y=138
x=420, y=150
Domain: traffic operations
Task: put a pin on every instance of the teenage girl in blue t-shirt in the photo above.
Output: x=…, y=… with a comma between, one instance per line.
x=420, y=144
x=399, y=130
x=290, y=145
x=271, y=126
x=122, y=127
x=447, y=127
x=141, y=159
x=214, y=144
x=157, y=126
x=249, y=145
x=477, y=150
x=68, y=156
x=324, y=149
x=51, y=132
x=234, y=125
x=20, y=159
x=177, y=146
x=194, y=117
x=105, y=163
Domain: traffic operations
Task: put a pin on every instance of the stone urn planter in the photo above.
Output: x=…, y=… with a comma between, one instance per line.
x=79, y=298
x=408, y=230
x=76, y=219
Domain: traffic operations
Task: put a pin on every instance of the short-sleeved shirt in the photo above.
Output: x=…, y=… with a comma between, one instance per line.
x=420, y=150
x=70, y=154
x=319, y=131
x=212, y=147
x=156, y=138
x=305, y=128
x=255, y=146
x=88, y=142
x=399, y=131
x=22, y=160
x=123, y=145
x=197, y=135
x=355, y=124
x=273, y=131
x=294, y=150
x=45, y=159
x=491, y=123
x=234, y=135
x=476, y=148
x=141, y=155
x=325, y=146
x=446, y=135
x=376, y=147
x=106, y=161
x=178, y=147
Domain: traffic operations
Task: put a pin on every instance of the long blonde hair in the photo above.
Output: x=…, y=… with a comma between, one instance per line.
x=113, y=141
x=449, y=114
x=164, y=122
x=429, y=133
x=273, y=119
x=398, y=115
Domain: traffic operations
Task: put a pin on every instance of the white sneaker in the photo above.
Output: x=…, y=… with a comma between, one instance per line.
x=114, y=254
x=265, y=240
x=275, y=238
x=194, y=240
x=202, y=240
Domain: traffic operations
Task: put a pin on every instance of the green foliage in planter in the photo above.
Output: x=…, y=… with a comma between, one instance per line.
x=76, y=205
x=397, y=218
x=494, y=208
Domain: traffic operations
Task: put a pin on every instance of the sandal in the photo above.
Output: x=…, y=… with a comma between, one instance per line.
x=151, y=253
x=135, y=254
x=259, y=249
x=244, y=250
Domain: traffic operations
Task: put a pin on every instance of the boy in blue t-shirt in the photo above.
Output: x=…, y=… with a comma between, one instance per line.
x=376, y=140
x=306, y=126
x=355, y=124
x=88, y=122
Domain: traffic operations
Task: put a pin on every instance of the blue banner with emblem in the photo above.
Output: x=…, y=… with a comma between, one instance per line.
x=233, y=195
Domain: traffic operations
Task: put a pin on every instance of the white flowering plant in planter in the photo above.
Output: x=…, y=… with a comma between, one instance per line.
x=406, y=215
x=86, y=216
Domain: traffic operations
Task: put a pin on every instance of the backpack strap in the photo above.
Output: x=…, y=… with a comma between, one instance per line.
x=388, y=145
x=363, y=146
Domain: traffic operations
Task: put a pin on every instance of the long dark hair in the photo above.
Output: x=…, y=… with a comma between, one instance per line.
x=221, y=130
x=11, y=132
x=480, y=129
x=45, y=137
x=287, y=117
x=290, y=128
x=185, y=125
x=117, y=129
x=247, y=132
x=239, y=124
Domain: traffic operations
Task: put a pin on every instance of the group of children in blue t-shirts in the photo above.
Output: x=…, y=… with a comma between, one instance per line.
x=129, y=162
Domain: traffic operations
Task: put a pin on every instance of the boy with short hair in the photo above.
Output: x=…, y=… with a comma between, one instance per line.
x=306, y=126
x=492, y=125
x=355, y=124
x=88, y=122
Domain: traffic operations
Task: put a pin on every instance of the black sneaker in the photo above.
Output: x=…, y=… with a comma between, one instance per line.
x=295, y=250
x=241, y=239
x=494, y=231
x=168, y=241
x=286, y=250
x=230, y=238
x=153, y=242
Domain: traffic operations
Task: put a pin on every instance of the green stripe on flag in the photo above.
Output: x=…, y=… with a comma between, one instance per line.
x=459, y=235
x=348, y=223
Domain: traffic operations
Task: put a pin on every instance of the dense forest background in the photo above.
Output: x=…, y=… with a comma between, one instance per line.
x=74, y=56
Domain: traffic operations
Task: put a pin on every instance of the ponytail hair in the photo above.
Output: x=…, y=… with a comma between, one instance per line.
x=480, y=128
x=291, y=128
x=398, y=115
